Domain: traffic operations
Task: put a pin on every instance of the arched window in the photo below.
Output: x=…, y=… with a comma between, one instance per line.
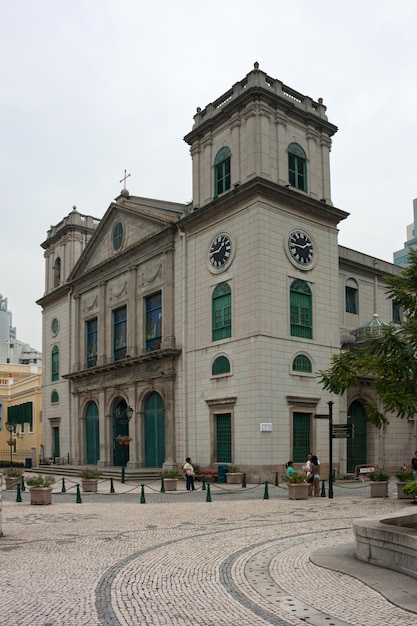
x=297, y=167
x=301, y=310
x=55, y=363
x=302, y=364
x=351, y=296
x=221, y=312
x=221, y=365
x=222, y=171
x=54, y=397
x=57, y=272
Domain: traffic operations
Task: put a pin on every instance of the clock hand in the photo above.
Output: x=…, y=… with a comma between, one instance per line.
x=216, y=251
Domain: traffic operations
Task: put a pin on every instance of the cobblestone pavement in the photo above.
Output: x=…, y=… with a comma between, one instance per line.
x=241, y=559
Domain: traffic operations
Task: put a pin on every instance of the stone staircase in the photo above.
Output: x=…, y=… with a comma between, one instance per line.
x=131, y=474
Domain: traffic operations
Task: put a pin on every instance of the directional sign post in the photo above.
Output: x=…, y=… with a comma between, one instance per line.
x=330, y=418
x=343, y=431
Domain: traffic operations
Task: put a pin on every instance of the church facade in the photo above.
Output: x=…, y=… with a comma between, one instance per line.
x=199, y=330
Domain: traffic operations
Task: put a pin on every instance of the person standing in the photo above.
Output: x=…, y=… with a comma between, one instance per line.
x=290, y=469
x=315, y=471
x=414, y=465
x=188, y=470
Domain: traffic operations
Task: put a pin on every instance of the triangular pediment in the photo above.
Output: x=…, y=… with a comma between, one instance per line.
x=128, y=222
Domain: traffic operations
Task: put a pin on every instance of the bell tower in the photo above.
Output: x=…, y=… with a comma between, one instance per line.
x=63, y=247
x=261, y=128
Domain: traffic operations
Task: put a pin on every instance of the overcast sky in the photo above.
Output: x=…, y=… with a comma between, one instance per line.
x=92, y=87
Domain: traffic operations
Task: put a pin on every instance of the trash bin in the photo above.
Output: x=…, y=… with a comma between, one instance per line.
x=28, y=463
x=221, y=473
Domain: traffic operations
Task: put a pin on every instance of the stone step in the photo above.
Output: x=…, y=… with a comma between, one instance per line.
x=131, y=474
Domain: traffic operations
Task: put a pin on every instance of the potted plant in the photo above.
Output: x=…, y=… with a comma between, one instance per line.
x=233, y=475
x=89, y=479
x=403, y=478
x=40, y=488
x=123, y=439
x=379, y=483
x=297, y=486
x=13, y=476
x=170, y=478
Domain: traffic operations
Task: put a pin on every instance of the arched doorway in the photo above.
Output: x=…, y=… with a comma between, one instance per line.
x=154, y=430
x=92, y=434
x=356, y=446
x=121, y=453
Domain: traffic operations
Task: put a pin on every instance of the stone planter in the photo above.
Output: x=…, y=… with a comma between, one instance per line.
x=234, y=478
x=40, y=495
x=89, y=484
x=12, y=481
x=298, y=491
x=400, y=492
x=379, y=489
x=170, y=484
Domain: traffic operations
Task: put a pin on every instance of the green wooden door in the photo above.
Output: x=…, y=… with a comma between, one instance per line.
x=55, y=432
x=301, y=436
x=356, y=447
x=224, y=438
x=154, y=429
x=92, y=434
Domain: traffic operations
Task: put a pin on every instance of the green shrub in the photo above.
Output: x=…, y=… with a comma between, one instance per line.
x=378, y=475
x=404, y=476
x=410, y=489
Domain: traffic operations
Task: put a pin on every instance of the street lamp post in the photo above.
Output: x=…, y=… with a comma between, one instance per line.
x=10, y=428
x=123, y=415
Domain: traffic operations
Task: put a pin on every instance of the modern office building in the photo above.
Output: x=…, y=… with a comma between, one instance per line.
x=199, y=330
x=401, y=256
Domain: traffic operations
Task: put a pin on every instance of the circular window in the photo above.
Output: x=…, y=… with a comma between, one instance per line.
x=55, y=326
x=118, y=236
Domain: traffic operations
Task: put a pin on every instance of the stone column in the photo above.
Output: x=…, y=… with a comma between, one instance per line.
x=282, y=155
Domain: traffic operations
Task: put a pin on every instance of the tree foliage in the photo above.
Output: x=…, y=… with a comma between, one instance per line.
x=387, y=360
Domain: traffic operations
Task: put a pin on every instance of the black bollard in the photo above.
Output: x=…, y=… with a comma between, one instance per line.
x=266, y=494
x=23, y=484
x=111, y=485
x=276, y=479
x=18, y=494
x=63, y=490
x=208, y=496
x=323, y=491
x=203, y=488
x=123, y=474
x=244, y=480
x=142, y=495
x=162, y=485
x=78, y=500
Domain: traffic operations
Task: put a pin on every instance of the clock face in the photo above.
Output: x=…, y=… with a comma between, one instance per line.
x=220, y=251
x=301, y=248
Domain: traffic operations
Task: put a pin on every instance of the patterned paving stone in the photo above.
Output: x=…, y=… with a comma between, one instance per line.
x=180, y=560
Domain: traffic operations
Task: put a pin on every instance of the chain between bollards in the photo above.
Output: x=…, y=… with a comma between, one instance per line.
x=78, y=500
x=142, y=495
x=266, y=495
